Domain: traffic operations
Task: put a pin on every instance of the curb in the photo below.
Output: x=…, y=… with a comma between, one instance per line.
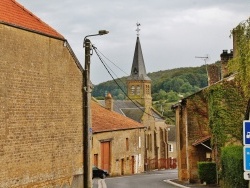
x=176, y=184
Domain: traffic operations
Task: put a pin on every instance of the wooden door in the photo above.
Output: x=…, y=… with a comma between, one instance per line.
x=105, y=156
x=133, y=164
x=95, y=162
x=122, y=167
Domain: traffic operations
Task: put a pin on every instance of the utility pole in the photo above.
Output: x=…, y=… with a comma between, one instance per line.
x=87, y=127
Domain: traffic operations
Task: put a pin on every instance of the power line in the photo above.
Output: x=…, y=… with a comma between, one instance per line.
x=104, y=64
x=109, y=67
x=112, y=62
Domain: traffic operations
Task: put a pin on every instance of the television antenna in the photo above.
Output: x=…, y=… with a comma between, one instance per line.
x=205, y=58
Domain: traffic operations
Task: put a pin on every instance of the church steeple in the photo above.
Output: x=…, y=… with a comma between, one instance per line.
x=138, y=83
x=138, y=70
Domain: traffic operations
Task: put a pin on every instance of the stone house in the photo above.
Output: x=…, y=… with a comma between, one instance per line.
x=117, y=142
x=41, y=116
x=138, y=107
x=209, y=119
x=172, y=152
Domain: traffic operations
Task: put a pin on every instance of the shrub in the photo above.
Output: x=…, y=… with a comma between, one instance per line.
x=207, y=172
x=232, y=167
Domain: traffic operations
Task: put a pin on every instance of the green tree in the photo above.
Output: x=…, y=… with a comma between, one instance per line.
x=172, y=96
x=186, y=87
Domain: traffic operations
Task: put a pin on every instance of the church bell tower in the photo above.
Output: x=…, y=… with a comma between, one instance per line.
x=138, y=83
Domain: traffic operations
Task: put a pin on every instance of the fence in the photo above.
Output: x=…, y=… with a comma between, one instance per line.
x=151, y=164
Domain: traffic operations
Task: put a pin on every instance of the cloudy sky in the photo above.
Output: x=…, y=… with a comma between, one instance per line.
x=172, y=32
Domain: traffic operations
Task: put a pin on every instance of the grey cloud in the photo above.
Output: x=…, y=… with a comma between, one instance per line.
x=172, y=32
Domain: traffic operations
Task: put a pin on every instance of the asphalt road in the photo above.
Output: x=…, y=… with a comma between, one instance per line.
x=154, y=179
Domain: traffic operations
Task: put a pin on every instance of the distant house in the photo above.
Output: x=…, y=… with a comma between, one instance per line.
x=117, y=143
x=40, y=103
x=172, y=149
x=138, y=107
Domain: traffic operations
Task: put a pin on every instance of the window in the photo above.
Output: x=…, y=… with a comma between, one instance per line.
x=139, y=144
x=132, y=90
x=127, y=144
x=147, y=89
x=138, y=90
x=170, y=148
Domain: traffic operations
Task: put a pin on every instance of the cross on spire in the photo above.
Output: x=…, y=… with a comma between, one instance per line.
x=138, y=29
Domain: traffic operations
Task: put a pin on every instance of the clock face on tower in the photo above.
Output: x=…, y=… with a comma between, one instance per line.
x=135, y=70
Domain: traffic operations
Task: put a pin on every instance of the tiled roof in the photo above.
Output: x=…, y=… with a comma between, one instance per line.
x=105, y=120
x=12, y=13
x=201, y=140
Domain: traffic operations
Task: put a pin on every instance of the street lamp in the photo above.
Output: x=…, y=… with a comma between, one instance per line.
x=87, y=127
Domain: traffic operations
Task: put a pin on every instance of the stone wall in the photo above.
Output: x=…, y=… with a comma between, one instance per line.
x=40, y=111
x=118, y=150
x=192, y=125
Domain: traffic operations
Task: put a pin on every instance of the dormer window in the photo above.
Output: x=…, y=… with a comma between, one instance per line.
x=135, y=71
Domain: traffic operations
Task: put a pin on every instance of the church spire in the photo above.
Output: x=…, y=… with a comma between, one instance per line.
x=138, y=83
x=138, y=70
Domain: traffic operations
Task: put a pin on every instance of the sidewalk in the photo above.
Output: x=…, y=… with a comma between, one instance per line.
x=187, y=185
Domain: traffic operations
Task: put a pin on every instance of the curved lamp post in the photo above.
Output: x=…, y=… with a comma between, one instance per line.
x=87, y=127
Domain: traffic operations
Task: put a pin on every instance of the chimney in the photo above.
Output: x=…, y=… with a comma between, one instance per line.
x=225, y=57
x=213, y=73
x=109, y=102
x=234, y=34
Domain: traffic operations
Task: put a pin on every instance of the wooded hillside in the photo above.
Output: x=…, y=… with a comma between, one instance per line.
x=168, y=87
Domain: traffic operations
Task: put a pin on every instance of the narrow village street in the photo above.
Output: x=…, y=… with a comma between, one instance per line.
x=155, y=179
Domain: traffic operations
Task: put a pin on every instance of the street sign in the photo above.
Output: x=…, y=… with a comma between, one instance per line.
x=246, y=158
x=246, y=132
x=246, y=149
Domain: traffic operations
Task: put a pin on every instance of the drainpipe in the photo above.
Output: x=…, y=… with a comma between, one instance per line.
x=187, y=154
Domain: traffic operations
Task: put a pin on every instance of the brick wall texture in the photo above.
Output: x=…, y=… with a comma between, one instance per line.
x=40, y=111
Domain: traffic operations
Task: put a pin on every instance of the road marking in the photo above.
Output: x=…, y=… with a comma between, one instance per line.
x=176, y=184
x=101, y=183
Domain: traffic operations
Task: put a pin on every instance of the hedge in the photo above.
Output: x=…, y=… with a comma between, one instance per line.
x=232, y=167
x=207, y=172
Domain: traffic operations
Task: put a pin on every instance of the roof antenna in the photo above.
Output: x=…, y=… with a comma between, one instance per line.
x=138, y=29
x=205, y=58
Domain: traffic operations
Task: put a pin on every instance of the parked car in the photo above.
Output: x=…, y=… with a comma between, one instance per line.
x=99, y=173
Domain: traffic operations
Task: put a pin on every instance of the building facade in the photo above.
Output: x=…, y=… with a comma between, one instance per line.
x=40, y=103
x=204, y=120
x=117, y=143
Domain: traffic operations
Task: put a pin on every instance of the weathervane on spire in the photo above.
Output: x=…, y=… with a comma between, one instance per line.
x=138, y=29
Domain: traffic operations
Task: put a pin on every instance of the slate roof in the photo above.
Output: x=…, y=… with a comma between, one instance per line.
x=14, y=14
x=129, y=109
x=104, y=120
x=138, y=70
x=172, y=133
